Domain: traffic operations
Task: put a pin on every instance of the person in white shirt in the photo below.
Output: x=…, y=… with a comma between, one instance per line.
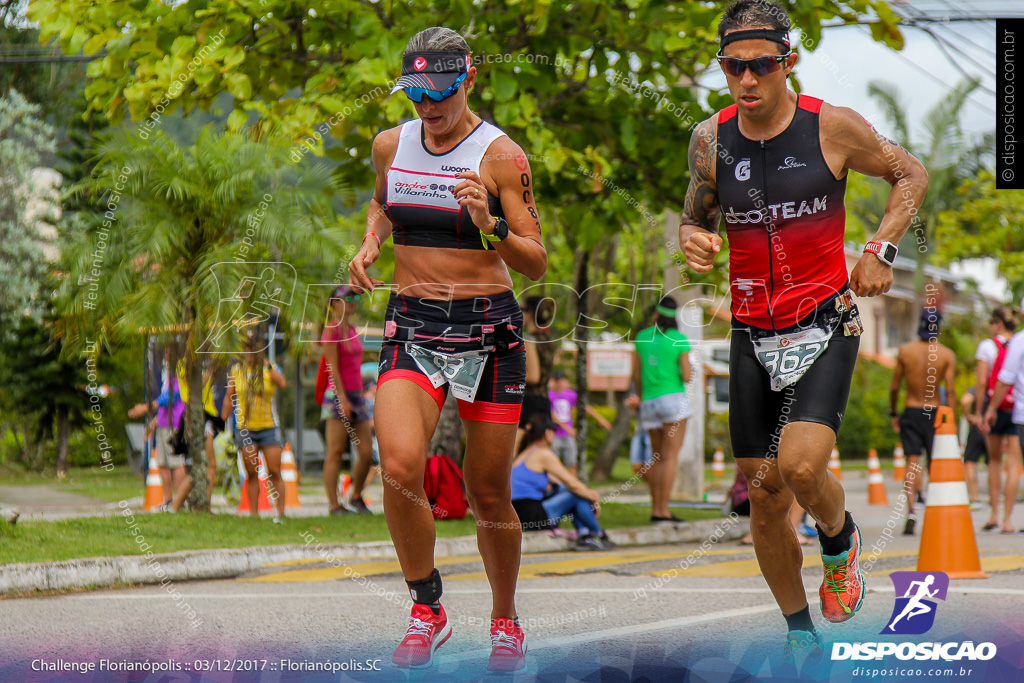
x=1000, y=431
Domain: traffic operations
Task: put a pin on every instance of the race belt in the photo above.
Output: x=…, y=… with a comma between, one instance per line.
x=500, y=336
x=788, y=355
x=453, y=353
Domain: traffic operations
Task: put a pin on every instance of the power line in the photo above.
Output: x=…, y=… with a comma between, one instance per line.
x=945, y=85
x=47, y=59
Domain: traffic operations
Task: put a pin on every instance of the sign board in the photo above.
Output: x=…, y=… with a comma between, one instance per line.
x=608, y=366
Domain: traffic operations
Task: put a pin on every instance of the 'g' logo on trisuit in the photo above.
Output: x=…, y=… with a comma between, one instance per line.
x=743, y=170
x=420, y=64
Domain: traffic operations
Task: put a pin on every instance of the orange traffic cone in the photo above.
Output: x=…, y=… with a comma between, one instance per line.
x=834, y=465
x=947, y=538
x=290, y=475
x=899, y=464
x=876, y=483
x=263, y=505
x=154, y=497
x=718, y=463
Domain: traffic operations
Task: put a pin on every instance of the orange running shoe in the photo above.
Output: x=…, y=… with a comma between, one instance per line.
x=842, y=590
x=508, y=646
x=427, y=632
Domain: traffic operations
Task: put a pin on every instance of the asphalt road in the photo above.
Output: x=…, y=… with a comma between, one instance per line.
x=672, y=613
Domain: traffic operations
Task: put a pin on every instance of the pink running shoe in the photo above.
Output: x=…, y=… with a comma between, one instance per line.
x=508, y=646
x=426, y=633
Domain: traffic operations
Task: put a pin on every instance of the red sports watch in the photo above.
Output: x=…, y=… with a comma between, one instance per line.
x=885, y=251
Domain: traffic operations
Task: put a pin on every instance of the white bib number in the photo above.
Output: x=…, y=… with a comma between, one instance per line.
x=462, y=371
x=787, y=357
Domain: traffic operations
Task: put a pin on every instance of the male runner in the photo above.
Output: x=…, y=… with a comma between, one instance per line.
x=925, y=364
x=774, y=165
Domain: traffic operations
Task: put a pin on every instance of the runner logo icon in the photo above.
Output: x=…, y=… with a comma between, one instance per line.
x=914, y=612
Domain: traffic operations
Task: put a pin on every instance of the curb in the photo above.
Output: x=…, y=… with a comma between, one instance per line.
x=196, y=565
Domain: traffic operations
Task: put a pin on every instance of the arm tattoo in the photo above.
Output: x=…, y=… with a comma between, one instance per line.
x=701, y=205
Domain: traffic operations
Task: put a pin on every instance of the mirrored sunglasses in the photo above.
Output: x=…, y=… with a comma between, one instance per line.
x=759, y=66
x=417, y=94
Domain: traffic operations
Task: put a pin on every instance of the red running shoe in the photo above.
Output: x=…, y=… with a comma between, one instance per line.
x=842, y=590
x=426, y=633
x=508, y=646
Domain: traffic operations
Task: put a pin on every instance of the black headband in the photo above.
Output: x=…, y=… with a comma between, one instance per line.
x=435, y=62
x=780, y=37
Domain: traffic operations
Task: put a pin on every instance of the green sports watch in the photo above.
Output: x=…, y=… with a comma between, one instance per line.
x=499, y=234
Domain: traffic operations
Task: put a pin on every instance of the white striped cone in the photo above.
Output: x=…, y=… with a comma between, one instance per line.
x=154, y=497
x=876, y=482
x=718, y=463
x=834, y=466
x=290, y=475
x=948, y=543
x=899, y=464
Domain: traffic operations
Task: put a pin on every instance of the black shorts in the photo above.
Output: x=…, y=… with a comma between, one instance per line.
x=1004, y=424
x=214, y=424
x=757, y=414
x=499, y=396
x=534, y=404
x=976, y=446
x=917, y=431
x=532, y=515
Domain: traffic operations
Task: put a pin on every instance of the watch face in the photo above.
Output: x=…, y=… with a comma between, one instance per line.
x=501, y=229
x=889, y=253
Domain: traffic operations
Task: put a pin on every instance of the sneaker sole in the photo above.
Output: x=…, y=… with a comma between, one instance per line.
x=860, y=598
x=443, y=636
x=502, y=670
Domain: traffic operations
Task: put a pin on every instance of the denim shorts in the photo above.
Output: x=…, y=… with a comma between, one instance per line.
x=665, y=409
x=261, y=438
x=331, y=407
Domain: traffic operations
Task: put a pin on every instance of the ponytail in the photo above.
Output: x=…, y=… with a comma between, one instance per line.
x=534, y=430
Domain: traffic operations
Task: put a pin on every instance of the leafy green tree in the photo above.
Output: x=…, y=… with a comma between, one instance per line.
x=43, y=392
x=24, y=143
x=985, y=222
x=192, y=242
x=584, y=87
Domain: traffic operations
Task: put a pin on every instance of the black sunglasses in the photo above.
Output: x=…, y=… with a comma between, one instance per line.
x=759, y=66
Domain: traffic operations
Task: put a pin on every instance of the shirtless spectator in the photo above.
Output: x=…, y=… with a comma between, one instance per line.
x=926, y=365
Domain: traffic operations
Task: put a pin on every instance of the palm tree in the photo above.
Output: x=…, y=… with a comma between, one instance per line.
x=182, y=228
x=946, y=153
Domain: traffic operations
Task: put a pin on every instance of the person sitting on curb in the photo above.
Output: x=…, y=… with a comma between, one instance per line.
x=532, y=471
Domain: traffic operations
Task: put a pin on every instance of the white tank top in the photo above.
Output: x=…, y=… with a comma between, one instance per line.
x=418, y=197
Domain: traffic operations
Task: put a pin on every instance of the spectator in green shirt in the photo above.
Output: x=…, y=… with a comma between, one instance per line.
x=661, y=369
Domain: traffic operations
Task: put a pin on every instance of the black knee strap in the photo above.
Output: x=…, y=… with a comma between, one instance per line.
x=426, y=591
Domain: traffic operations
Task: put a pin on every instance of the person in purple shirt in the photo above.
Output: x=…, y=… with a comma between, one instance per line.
x=563, y=400
x=170, y=411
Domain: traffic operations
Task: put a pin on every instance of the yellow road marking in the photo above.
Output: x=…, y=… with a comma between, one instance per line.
x=570, y=563
x=989, y=563
x=1002, y=563
x=739, y=568
x=350, y=570
x=578, y=562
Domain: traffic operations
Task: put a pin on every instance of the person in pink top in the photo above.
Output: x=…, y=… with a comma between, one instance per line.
x=345, y=411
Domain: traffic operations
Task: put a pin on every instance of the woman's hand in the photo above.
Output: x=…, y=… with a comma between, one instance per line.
x=368, y=254
x=472, y=194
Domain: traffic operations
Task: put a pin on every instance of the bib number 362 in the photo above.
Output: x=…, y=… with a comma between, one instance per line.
x=787, y=358
x=786, y=361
